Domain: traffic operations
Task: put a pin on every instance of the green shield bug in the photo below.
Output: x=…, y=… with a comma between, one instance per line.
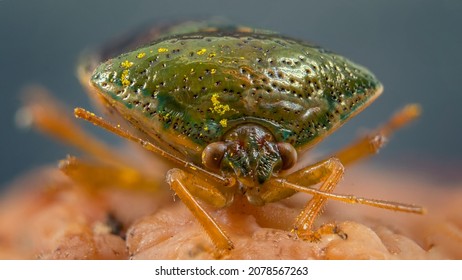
x=233, y=107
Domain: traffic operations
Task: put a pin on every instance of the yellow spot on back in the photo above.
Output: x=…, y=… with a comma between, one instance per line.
x=141, y=55
x=162, y=50
x=126, y=64
x=213, y=71
x=212, y=55
x=201, y=51
x=217, y=107
x=224, y=122
x=123, y=78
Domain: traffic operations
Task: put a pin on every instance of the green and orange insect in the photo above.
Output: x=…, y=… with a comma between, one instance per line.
x=233, y=107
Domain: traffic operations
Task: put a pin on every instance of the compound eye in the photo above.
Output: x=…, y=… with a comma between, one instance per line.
x=288, y=155
x=213, y=154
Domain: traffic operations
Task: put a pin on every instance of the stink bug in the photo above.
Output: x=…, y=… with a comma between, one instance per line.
x=233, y=107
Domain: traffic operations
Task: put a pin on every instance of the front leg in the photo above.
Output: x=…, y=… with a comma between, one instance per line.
x=188, y=187
x=329, y=172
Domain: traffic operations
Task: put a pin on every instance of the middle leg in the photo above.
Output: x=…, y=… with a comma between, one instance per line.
x=371, y=143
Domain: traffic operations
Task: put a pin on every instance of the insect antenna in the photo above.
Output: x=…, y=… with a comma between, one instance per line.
x=98, y=121
x=390, y=205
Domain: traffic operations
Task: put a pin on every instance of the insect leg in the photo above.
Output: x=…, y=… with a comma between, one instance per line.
x=197, y=182
x=186, y=186
x=42, y=111
x=371, y=143
x=329, y=172
x=96, y=175
x=46, y=114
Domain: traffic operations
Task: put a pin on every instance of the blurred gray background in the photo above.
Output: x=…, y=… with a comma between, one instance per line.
x=413, y=47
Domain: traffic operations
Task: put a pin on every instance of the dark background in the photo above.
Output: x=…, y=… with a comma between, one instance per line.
x=413, y=47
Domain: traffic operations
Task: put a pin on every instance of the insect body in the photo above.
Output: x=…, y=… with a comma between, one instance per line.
x=196, y=89
x=237, y=107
